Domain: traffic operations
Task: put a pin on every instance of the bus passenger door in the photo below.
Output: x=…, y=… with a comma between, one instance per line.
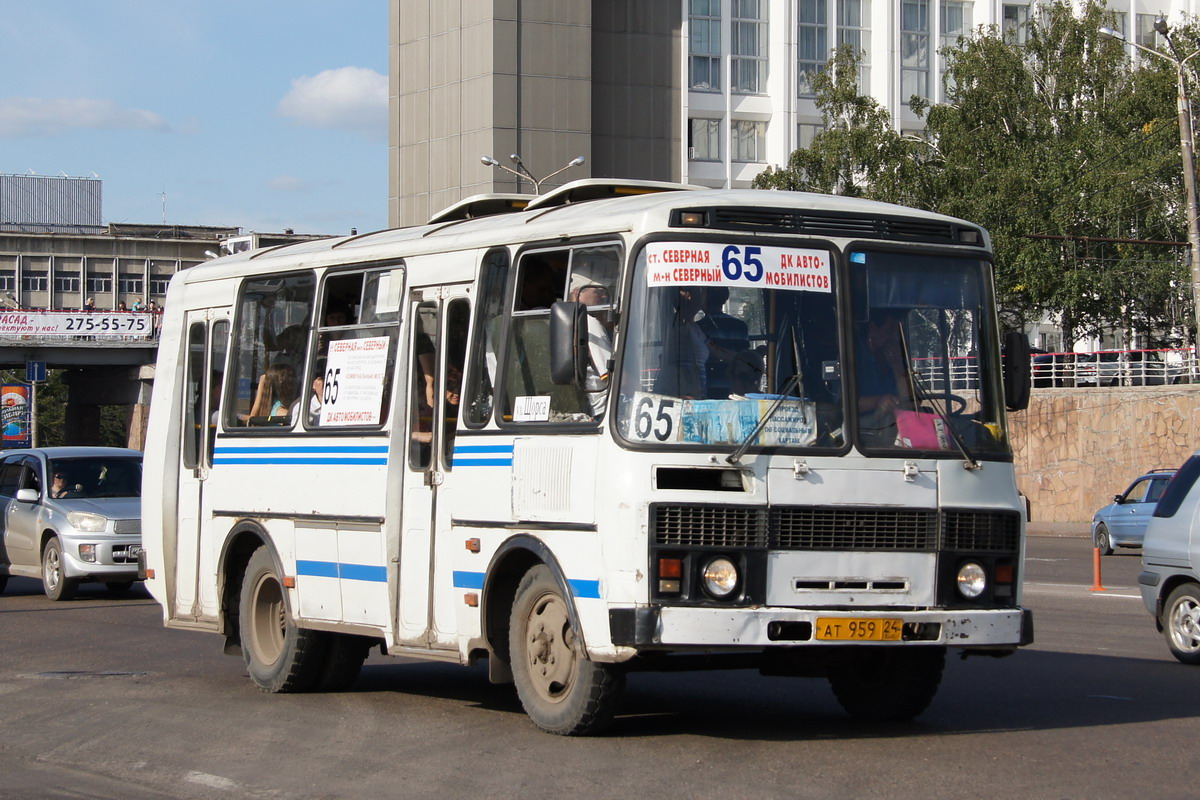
x=207, y=343
x=437, y=351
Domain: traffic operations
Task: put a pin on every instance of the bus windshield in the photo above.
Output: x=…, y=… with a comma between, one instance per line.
x=733, y=344
x=718, y=333
x=925, y=354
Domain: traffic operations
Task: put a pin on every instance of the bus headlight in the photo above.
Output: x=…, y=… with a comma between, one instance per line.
x=972, y=580
x=720, y=577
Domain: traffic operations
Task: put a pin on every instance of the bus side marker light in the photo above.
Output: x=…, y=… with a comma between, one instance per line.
x=150, y=574
x=473, y=545
x=471, y=599
x=1004, y=573
x=670, y=567
x=289, y=582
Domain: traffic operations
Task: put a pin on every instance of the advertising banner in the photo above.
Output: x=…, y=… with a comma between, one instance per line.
x=14, y=415
x=74, y=323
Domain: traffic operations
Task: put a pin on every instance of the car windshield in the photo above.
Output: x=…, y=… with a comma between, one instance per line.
x=95, y=476
x=731, y=344
x=924, y=345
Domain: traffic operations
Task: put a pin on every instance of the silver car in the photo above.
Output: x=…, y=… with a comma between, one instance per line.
x=69, y=515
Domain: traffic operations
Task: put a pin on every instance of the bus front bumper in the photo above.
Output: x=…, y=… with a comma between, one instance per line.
x=684, y=627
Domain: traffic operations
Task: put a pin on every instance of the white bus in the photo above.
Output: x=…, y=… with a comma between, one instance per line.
x=617, y=427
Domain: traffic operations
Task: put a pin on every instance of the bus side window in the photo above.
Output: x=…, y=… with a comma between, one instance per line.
x=273, y=318
x=458, y=320
x=423, y=363
x=489, y=308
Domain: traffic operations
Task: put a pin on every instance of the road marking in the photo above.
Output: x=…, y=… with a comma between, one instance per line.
x=211, y=781
x=1073, y=588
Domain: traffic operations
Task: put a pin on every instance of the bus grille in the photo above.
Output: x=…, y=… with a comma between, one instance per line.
x=976, y=530
x=709, y=526
x=809, y=528
x=834, y=528
x=816, y=223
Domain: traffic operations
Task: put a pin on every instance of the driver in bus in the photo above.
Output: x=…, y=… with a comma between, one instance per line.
x=883, y=382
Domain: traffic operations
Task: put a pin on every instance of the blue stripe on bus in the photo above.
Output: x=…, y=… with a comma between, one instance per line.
x=304, y=449
x=481, y=462
x=483, y=448
x=468, y=580
x=349, y=572
x=322, y=461
x=474, y=580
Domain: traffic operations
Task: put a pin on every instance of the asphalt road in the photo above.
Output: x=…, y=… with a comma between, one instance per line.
x=99, y=701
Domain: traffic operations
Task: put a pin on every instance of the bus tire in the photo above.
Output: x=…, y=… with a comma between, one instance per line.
x=344, y=657
x=562, y=691
x=888, y=684
x=279, y=655
x=54, y=581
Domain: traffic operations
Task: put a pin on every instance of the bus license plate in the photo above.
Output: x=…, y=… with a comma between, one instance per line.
x=859, y=630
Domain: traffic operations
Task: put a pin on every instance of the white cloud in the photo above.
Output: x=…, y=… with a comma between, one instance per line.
x=289, y=183
x=349, y=98
x=27, y=117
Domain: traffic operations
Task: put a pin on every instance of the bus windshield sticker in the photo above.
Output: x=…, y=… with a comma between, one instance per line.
x=355, y=376
x=751, y=266
x=528, y=408
x=661, y=418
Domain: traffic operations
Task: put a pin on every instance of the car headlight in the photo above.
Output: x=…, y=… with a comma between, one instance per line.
x=972, y=580
x=720, y=577
x=89, y=523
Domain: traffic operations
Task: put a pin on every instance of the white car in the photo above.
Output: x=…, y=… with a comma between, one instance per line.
x=69, y=515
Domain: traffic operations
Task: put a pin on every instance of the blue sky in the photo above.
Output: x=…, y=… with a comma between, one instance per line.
x=261, y=114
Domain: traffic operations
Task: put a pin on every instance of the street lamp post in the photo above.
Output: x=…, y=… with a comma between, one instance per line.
x=1187, y=145
x=524, y=174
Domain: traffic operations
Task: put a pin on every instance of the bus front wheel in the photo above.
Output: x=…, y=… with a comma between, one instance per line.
x=280, y=656
x=562, y=691
x=888, y=684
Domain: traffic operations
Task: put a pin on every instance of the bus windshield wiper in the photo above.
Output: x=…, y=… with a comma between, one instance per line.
x=792, y=383
x=921, y=394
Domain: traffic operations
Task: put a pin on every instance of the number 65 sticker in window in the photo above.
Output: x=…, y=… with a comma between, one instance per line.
x=654, y=418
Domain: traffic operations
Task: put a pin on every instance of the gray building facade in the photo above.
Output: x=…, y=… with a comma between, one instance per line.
x=546, y=79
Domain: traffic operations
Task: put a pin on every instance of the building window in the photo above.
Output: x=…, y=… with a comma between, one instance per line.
x=97, y=284
x=32, y=281
x=1121, y=23
x=748, y=48
x=749, y=141
x=704, y=142
x=1145, y=34
x=158, y=284
x=805, y=133
x=66, y=282
x=853, y=31
x=914, y=49
x=704, y=23
x=129, y=284
x=8, y=280
x=1015, y=23
x=956, y=23
x=812, y=44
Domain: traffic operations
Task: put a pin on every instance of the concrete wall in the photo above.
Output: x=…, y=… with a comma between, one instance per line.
x=1075, y=448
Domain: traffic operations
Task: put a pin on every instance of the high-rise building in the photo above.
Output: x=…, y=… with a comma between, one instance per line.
x=701, y=91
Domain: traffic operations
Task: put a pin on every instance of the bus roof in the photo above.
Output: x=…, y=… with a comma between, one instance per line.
x=730, y=210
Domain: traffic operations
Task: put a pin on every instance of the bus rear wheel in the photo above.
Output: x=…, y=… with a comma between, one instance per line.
x=280, y=656
x=888, y=684
x=562, y=691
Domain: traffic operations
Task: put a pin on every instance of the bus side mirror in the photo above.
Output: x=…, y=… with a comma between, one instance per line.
x=1016, y=371
x=568, y=343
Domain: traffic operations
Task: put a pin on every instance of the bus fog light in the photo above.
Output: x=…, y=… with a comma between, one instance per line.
x=720, y=577
x=972, y=580
x=87, y=552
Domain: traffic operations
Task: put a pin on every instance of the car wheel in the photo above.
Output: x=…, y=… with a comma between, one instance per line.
x=56, y=585
x=562, y=691
x=888, y=684
x=1181, y=623
x=1103, y=540
x=280, y=656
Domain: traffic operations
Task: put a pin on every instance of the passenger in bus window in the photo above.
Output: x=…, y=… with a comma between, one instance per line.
x=728, y=342
x=683, y=371
x=883, y=380
x=276, y=395
x=600, y=337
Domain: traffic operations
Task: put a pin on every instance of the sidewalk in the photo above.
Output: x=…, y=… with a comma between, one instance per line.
x=1064, y=529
